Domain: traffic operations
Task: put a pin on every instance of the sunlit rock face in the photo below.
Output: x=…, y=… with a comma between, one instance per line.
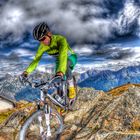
x=5, y=104
x=103, y=116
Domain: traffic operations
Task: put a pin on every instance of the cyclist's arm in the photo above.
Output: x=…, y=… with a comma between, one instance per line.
x=62, y=58
x=36, y=60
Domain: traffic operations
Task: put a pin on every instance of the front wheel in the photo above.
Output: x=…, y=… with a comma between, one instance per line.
x=35, y=127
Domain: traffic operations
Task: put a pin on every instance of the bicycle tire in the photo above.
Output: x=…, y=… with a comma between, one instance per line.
x=32, y=118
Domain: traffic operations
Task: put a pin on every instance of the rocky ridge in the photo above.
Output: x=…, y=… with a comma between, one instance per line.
x=114, y=115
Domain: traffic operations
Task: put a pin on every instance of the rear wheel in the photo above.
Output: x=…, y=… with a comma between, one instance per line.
x=36, y=129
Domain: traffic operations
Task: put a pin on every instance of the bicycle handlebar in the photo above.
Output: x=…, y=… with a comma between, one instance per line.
x=36, y=85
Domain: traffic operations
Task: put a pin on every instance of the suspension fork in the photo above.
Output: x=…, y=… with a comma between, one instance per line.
x=47, y=111
x=47, y=119
x=40, y=117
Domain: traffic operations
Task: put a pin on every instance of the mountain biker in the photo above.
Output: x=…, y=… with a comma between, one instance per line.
x=57, y=46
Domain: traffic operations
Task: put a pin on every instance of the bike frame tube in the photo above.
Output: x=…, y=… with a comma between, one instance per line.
x=54, y=101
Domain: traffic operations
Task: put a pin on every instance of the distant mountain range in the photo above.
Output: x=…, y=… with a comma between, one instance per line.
x=107, y=79
x=12, y=88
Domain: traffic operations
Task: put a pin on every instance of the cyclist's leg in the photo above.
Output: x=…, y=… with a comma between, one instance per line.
x=59, y=109
x=72, y=91
x=69, y=70
x=71, y=87
x=69, y=77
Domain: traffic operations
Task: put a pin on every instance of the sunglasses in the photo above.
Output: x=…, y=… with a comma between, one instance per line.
x=43, y=38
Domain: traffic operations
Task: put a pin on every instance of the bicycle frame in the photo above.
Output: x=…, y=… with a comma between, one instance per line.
x=46, y=109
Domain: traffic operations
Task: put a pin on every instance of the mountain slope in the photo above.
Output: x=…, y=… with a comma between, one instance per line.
x=107, y=79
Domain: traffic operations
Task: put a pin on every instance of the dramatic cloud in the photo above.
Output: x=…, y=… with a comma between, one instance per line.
x=113, y=53
x=128, y=21
x=12, y=18
x=84, y=50
x=87, y=24
x=80, y=21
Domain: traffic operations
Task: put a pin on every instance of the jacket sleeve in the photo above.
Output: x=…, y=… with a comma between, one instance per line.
x=36, y=60
x=63, y=55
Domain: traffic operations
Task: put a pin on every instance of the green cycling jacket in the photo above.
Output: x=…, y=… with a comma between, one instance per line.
x=59, y=48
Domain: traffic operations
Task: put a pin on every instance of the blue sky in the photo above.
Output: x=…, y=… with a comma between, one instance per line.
x=104, y=33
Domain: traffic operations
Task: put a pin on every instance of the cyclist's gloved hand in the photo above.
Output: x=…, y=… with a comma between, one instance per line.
x=24, y=74
x=58, y=77
x=23, y=77
x=59, y=74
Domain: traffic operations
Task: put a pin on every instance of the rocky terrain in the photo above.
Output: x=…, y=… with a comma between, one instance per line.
x=114, y=115
x=106, y=116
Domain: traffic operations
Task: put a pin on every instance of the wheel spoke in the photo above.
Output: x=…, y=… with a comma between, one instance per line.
x=33, y=129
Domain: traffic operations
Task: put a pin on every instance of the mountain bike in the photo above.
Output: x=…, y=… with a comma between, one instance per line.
x=46, y=123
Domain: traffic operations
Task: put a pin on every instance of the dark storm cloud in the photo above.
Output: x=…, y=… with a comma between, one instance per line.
x=106, y=52
x=112, y=52
x=2, y=2
x=120, y=54
x=80, y=21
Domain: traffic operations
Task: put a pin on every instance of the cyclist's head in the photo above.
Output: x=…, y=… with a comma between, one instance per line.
x=40, y=31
